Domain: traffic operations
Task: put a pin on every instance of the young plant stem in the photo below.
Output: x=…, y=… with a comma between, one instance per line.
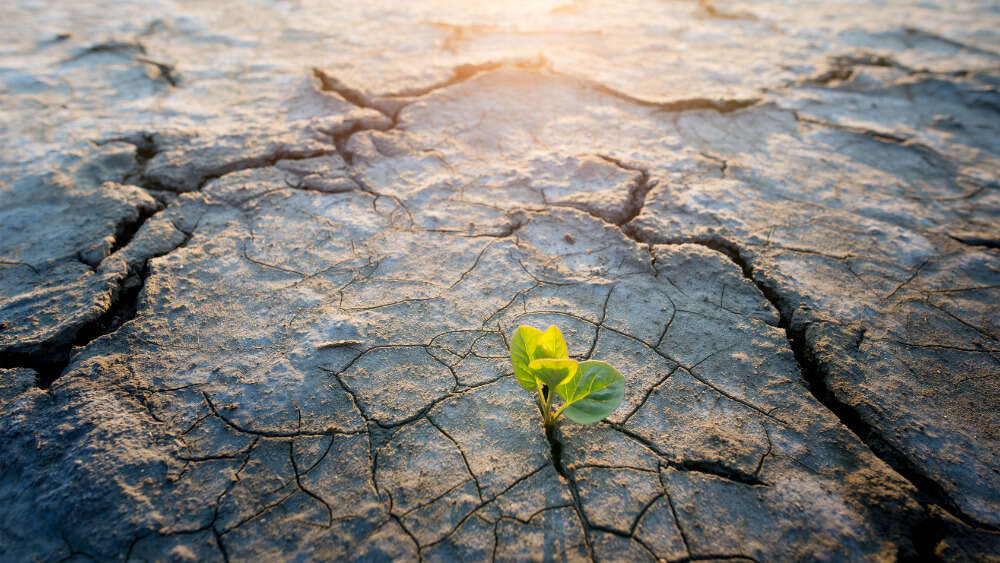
x=547, y=395
x=545, y=405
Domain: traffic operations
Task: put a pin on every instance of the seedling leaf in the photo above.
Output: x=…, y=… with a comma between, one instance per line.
x=522, y=349
x=553, y=372
x=529, y=344
x=592, y=393
x=551, y=345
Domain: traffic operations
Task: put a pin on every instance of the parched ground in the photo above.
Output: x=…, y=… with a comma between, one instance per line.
x=259, y=264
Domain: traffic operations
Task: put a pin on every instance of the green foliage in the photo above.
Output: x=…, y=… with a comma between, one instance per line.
x=589, y=391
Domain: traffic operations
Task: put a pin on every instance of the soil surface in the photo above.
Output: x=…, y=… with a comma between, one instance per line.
x=260, y=263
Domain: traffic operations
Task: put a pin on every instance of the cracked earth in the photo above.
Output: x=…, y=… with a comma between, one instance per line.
x=259, y=265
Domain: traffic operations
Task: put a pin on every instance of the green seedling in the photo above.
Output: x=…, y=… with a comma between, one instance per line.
x=588, y=391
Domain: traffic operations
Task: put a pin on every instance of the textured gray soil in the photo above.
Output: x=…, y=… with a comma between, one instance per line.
x=259, y=265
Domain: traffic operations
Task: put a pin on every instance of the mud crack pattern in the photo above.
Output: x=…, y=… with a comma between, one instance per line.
x=259, y=271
